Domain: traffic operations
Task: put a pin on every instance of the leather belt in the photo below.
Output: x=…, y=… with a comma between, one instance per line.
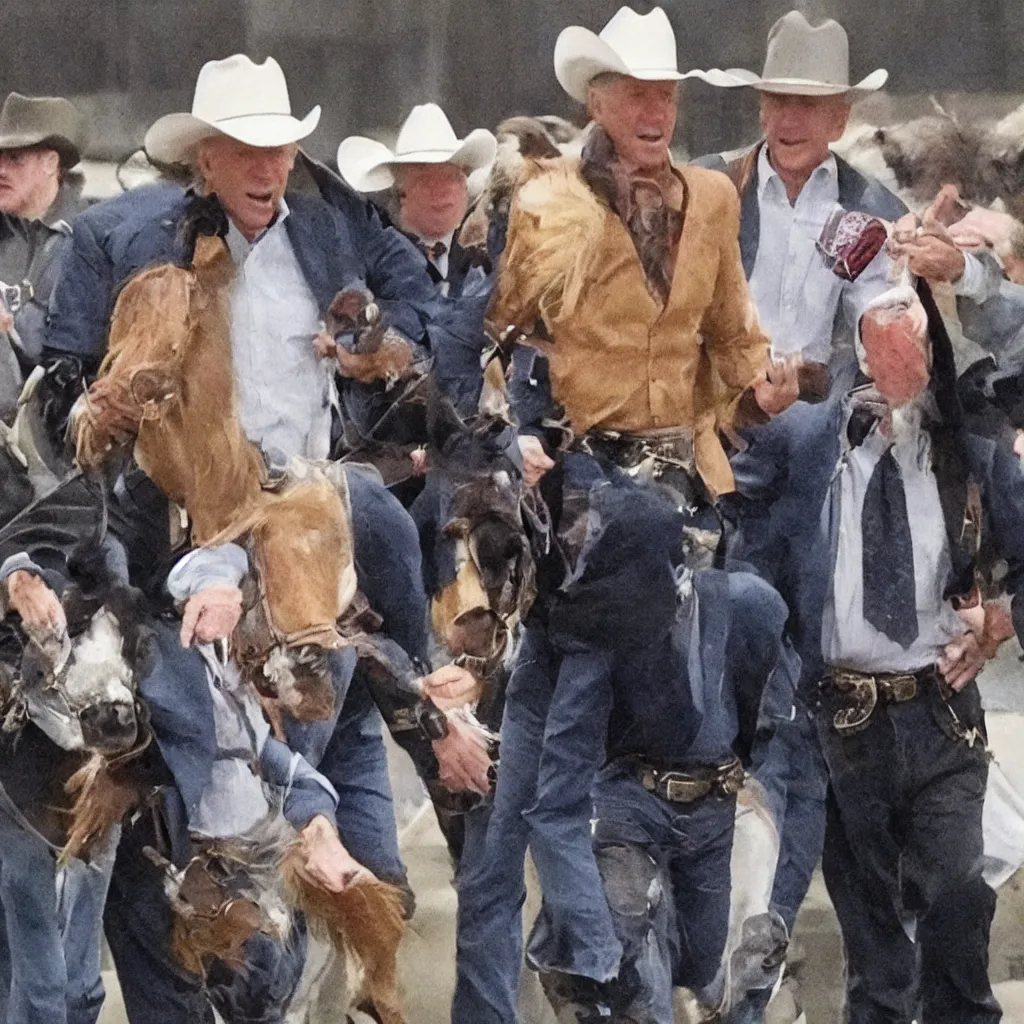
x=687, y=787
x=857, y=695
x=631, y=451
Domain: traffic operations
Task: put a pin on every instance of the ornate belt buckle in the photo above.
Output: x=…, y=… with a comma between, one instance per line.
x=862, y=693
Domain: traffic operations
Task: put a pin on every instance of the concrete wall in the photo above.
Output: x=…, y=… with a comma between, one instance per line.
x=368, y=61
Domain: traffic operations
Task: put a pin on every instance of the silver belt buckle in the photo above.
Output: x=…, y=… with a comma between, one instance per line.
x=15, y=296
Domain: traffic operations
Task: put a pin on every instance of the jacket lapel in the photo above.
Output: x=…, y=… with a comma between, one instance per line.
x=750, y=217
x=314, y=231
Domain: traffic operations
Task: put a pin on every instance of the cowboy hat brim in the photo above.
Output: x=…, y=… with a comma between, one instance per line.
x=67, y=149
x=173, y=138
x=368, y=165
x=735, y=78
x=581, y=55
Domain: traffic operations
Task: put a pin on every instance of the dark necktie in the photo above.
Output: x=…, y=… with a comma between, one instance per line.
x=434, y=251
x=890, y=594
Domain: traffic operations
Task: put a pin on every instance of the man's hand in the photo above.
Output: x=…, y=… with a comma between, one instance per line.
x=536, y=461
x=34, y=601
x=212, y=614
x=389, y=360
x=463, y=758
x=452, y=687
x=777, y=386
x=932, y=257
x=961, y=660
x=6, y=321
x=327, y=863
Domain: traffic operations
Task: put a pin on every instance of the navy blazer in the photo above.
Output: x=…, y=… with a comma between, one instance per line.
x=786, y=475
x=338, y=240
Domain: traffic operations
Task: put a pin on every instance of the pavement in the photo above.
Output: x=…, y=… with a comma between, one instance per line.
x=427, y=958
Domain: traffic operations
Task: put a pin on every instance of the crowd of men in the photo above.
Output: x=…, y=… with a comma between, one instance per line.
x=640, y=500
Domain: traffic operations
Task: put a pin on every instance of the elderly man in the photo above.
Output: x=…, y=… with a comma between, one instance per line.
x=428, y=170
x=896, y=502
x=292, y=254
x=792, y=189
x=646, y=362
x=41, y=140
x=791, y=185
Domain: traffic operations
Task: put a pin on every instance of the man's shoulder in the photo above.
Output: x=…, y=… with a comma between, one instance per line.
x=708, y=184
x=134, y=210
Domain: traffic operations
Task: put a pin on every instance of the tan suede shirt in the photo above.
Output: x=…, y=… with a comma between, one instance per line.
x=619, y=359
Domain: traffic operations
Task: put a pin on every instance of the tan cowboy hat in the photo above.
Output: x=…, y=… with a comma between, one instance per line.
x=44, y=121
x=427, y=137
x=805, y=60
x=234, y=97
x=638, y=46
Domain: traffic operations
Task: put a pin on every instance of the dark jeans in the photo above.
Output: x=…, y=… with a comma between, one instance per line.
x=903, y=864
x=665, y=871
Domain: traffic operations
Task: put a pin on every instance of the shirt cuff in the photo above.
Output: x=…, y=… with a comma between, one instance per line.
x=18, y=563
x=973, y=283
x=204, y=567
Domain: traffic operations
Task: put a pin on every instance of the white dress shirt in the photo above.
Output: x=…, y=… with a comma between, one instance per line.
x=442, y=262
x=797, y=296
x=284, y=390
x=848, y=639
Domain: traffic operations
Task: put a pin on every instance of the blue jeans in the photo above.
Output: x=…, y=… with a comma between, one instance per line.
x=51, y=931
x=665, y=869
x=490, y=880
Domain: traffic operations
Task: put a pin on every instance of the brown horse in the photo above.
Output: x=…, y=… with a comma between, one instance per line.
x=168, y=373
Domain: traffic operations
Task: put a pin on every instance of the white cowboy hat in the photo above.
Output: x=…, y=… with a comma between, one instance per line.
x=234, y=97
x=638, y=46
x=427, y=137
x=805, y=60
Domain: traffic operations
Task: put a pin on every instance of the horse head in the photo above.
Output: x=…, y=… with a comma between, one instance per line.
x=78, y=684
x=302, y=579
x=483, y=566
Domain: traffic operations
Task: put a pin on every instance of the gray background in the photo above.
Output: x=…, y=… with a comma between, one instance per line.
x=368, y=61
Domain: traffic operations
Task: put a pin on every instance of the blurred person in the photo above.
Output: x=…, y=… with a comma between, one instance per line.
x=41, y=141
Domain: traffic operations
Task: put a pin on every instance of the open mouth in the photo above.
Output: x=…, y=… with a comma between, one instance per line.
x=260, y=197
x=651, y=137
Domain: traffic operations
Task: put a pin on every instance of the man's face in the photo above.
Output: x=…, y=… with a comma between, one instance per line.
x=28, y=179
x=249, y=180
x=639, y=117
x=434, y=198
x=798, y=129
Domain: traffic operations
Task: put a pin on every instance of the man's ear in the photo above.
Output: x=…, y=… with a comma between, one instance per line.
x=51, y=162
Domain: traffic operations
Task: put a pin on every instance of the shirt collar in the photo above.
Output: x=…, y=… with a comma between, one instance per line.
x=239, y=246
x=446, y=240
x=827, y=172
